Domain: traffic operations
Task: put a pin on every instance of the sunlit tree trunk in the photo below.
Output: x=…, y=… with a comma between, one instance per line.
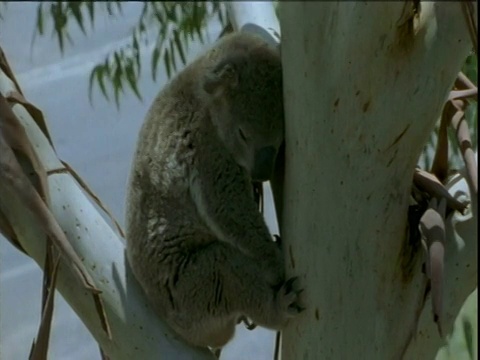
x=364, y=86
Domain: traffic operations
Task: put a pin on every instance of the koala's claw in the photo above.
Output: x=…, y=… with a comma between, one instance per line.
x=292, y=285
x=278, y=239
x=289, y=297
x=298, y=308
x=250, y=325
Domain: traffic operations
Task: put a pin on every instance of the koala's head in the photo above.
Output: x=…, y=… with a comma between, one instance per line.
x=245, y=86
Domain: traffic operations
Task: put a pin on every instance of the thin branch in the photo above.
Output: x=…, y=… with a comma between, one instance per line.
x=460, y=125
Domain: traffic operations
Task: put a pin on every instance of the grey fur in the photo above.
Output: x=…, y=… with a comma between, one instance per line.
x=196, y=241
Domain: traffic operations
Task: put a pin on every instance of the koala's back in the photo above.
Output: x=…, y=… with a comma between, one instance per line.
x=160, y=213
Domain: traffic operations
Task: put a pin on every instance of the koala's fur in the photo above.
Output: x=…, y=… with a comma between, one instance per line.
x=196, y=241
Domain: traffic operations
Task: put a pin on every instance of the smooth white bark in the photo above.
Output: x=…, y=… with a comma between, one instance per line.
x=361, y=99
x=137, y=333
x=257, y=17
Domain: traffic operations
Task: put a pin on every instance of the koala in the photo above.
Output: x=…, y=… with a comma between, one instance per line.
x=196, y=242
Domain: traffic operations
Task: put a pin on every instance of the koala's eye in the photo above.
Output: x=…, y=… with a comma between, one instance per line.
x=242, y=135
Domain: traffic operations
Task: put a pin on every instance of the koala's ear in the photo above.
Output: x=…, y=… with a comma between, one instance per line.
x=224, y=76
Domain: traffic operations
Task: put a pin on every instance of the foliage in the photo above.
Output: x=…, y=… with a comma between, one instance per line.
x=463, y=342
x=173, y=25
x=3, y=6
x=455, y=158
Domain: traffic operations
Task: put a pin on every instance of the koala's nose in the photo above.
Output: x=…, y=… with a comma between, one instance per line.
x=264, y=161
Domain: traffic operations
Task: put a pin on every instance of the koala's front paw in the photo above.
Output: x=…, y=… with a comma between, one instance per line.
x=288, y=299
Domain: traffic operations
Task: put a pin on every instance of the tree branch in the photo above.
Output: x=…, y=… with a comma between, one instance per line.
x=136, y=331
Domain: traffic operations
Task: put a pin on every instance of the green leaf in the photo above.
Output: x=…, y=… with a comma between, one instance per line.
x=172, y=56
x=40, y=19
x=178, y=43
x=136, y=52
x=198, y=15
x=470, y=68
x=117, y=78
x=176, y=23
x=170, y=11
x=77, y=14
x=93, y=74
x=132, y=79
x=91, y=11
x=97, y=73
x=109, y=7
x=166, y=61
x=141, y=27
x=155, y=57
x=59, y=20
x=220, y=14
x=158, y=15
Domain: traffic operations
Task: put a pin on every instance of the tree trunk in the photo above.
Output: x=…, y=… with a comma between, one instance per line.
x=364, y=86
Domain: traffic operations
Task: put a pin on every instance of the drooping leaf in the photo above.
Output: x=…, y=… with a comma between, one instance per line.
x=155, y=57
x=58, y=16
x=179, y=45
x=40, y=19
x=98, y=73
x=136, y=51
x=166, y=60
x=132, y=79
x=117, y=78
x=75, y=8
x=91, y=11
x=172, y=55
x=176, y=25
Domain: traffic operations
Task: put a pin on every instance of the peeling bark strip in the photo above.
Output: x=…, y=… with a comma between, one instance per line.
x=16, y=97
x=429, y=183
x=15, y=136
x=432, y=228
x=460, y=126
x=440, y=161
x=13, y=177
x=407, y=25
x=15, y=146
x=39, y=349
x=95, y=198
